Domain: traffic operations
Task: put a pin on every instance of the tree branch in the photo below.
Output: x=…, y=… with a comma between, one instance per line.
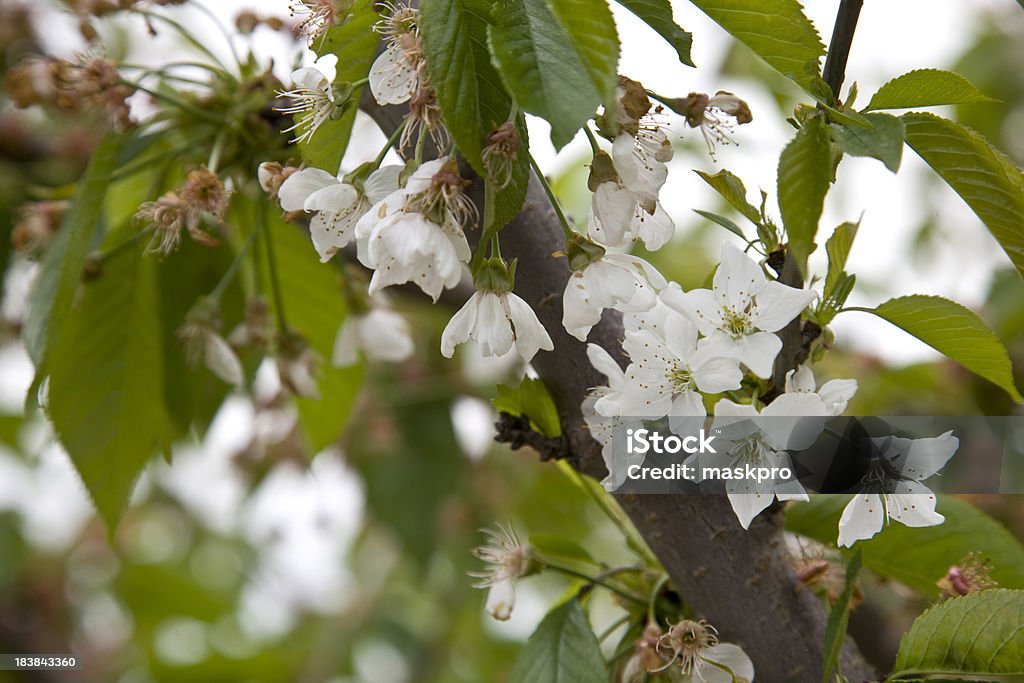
x=842, y=40
x=741, y=581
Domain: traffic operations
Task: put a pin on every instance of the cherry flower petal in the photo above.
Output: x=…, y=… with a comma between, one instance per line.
x=738, y=279
x=611, y=213
x=914, y=509
x=393, y=79
x=699, y=305
x=460, y=327
x=222, y=360
x=501, y=599
x=346, y=344
x=779, y=304
x=733, y=658
x=300, y=185
x=530, y=334
x=862, y=518
x=757, y=351
x=653, y=229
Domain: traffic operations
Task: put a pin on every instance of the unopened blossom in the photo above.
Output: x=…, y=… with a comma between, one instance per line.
x=496, y=321
x=336, y=204
x=835, y=394
x=379, y=334
x=271, y=176
x=694, y=653
x=317, y=16
x=618, y=281
x=969, y=575
x=762, y=439
x=743, y=311
x=716, y=116
x=203, y=343
x=395, y=75
x=669, y=368
x=415, y=233
x=506, y=559
x=892, y=488
x=312, y=102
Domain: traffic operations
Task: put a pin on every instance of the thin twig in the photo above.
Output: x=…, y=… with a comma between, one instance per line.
x=842, y=41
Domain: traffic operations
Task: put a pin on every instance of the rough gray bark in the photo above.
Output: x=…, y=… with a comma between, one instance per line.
x=740, y=581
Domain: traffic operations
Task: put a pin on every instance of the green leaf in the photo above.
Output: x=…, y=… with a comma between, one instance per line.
x=955, y=331
x=722, y=221
x=315, y=309
x=805, y=167
x=977, y=634
x=61, y=269
x=658, y=15
x=469, y=88
x=838, y=248
x=919, y=557
x=563, y=551
x=838, y=618
x=884, y=141
x=732, y=190
x=563, y=649
x=984, y=177
x=355, y=43
x=777, y=31
x=107, y=382
x=530, y=398
x=561, y=74
x=926, y=88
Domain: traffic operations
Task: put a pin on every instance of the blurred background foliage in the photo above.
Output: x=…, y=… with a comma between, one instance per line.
x=276, y=549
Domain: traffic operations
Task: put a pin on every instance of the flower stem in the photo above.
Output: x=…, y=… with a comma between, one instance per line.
x=215, y=153
x=614, y=626
x=652, y=610
x=174, y=101
x=596, y=148
x=232, y=270
x=121, y=246
x=389, y=145
x=566, y=228
x=275, y=282
x=596, y=580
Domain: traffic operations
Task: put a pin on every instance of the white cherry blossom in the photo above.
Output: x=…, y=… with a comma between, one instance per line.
x=506, y=559
x=741, y=313
x=496, y=321
x=893, y=489
x=669, y=367
x=761, y=439
x=618, y=217
x=619, y=281
x=380, y=334
x=312, y=100
x=693, y=650
x=336, y=205
x=835, y=393
x=401, y=243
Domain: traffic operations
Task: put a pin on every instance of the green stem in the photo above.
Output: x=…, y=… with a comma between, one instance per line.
x=421, y=140
x=389, y=145
x=275, y=282
x=232, y=270
x=183, y=32
x=597, y=581
x=566, y=228
x=596, y=148
x=652, y=610
x=174, y=101
x=220, y=27
x=604, y=502
x=613, y=627
x=215, y=153
x=121, y=246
